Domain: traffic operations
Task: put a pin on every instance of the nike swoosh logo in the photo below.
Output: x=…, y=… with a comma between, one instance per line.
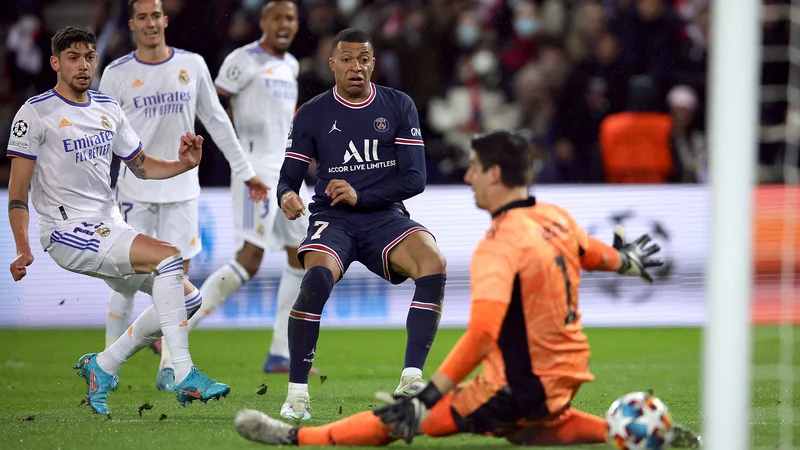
x=195, y=393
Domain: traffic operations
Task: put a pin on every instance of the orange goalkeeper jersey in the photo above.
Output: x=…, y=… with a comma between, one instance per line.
x=530, y=261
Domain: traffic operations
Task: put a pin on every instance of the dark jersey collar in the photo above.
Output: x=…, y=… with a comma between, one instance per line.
x=530, y=201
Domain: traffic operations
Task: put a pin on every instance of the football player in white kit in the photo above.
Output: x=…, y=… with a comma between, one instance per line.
x=260, y=82
x=62, y=143
x=162, y=89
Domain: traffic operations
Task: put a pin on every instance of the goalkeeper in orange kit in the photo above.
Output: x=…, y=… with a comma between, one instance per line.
x=524, y=330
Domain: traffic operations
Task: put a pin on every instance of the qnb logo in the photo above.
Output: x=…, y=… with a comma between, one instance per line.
x=94, y=140
x=370, y=153
x=159, y=98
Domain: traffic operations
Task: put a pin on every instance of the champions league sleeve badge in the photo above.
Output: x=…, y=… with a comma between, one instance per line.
x=20, y=128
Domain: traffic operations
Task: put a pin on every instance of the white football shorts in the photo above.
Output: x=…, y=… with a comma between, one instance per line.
x=99, y=248
x=263, y=224
x=174, y=223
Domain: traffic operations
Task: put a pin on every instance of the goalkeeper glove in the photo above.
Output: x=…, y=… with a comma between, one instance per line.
x=406, y=414
x=635, y=258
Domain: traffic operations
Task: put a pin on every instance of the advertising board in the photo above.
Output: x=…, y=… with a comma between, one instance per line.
x=676, y=217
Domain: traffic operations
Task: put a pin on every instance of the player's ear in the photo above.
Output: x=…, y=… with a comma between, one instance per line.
x=166, y=22
x=496, y=174
x=54, y=63
x=330, y=63
x=130, y=24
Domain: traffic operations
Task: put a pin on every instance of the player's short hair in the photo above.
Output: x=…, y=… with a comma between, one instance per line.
x=351, y=35
x=132, y=3
x=268, y=3
x=67, y=36
x=508, y=150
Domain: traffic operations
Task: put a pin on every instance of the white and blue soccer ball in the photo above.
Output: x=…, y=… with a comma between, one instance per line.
x=639, y=421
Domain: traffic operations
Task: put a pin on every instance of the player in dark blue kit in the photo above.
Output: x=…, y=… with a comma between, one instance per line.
x=370, y=157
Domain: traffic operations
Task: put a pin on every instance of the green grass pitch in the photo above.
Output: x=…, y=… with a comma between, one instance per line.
x=40, y=393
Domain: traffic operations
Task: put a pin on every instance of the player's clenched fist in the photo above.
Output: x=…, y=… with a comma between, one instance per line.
x=191, y=150
x=340, y=191
x=292, y=205
x=18, y=266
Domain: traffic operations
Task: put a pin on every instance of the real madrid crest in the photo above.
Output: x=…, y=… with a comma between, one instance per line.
x=183, y=77
x=103, y=232
x=260, y=229
x=381, y=125
x=105, y=122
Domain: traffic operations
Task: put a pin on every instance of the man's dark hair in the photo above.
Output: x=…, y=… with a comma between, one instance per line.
x=269, y=2
x=510, y=151
x=65, y=37
x=351, y=35
x=131, y=10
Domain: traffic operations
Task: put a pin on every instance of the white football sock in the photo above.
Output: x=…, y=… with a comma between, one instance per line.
x=411, y=372
x=295, y=388
x=218, y=287
x=191, y=300
x=120, y=309
x=169, y=301
x=144, y=331
x=288, y=289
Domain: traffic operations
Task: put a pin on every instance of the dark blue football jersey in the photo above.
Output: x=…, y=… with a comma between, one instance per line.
x=376, y=146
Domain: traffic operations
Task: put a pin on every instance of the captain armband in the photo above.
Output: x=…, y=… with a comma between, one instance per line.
x=17, y=204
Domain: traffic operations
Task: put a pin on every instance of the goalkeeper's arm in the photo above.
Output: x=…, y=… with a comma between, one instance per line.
x=632, y=259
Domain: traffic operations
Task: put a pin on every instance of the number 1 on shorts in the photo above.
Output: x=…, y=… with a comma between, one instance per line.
x=321, y=225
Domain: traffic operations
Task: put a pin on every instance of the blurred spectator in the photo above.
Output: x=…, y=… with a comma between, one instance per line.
x=553, y=69
x=588, y=25
x=28, y=58
x=596, y=88
x=650, y=41
x=689, y=146
x=316, y=75
x=109, y=37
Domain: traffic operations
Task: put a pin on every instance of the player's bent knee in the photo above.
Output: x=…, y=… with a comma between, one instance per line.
x=250, y=257
x=313, y=259
x=147, y=253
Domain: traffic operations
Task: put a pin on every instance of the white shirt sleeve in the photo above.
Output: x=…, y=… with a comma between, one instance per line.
x=107, y=86
x=233, y=75
x=219, y=126
x=27, y=134
x=127, y=144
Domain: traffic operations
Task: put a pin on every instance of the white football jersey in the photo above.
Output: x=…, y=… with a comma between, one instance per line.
x=162, y=100
x=72, y=144
x=263, y=90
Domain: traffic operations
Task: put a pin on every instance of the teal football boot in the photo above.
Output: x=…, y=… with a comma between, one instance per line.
x=165, y=380
x=197, y=386
x=98, y=383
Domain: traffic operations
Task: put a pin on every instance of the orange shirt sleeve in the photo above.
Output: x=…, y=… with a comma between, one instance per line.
x=597, y=255
x=493, y=270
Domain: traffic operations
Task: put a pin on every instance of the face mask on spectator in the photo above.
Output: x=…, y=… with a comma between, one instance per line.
x=525, y=27
x=346, y=7
x=467, y=35
x=484, y=62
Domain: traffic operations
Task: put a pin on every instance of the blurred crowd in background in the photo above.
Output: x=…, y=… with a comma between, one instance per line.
x=605, y=90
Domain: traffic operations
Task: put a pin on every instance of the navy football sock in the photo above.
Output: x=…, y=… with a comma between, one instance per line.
x=423, y=319
x=304, y=321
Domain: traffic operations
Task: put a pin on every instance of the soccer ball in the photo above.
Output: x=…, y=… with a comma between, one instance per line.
x=639, y=421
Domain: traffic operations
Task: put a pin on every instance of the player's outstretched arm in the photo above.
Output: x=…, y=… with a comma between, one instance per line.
x=18, y=216
x=151, y=168
x=631, y=259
